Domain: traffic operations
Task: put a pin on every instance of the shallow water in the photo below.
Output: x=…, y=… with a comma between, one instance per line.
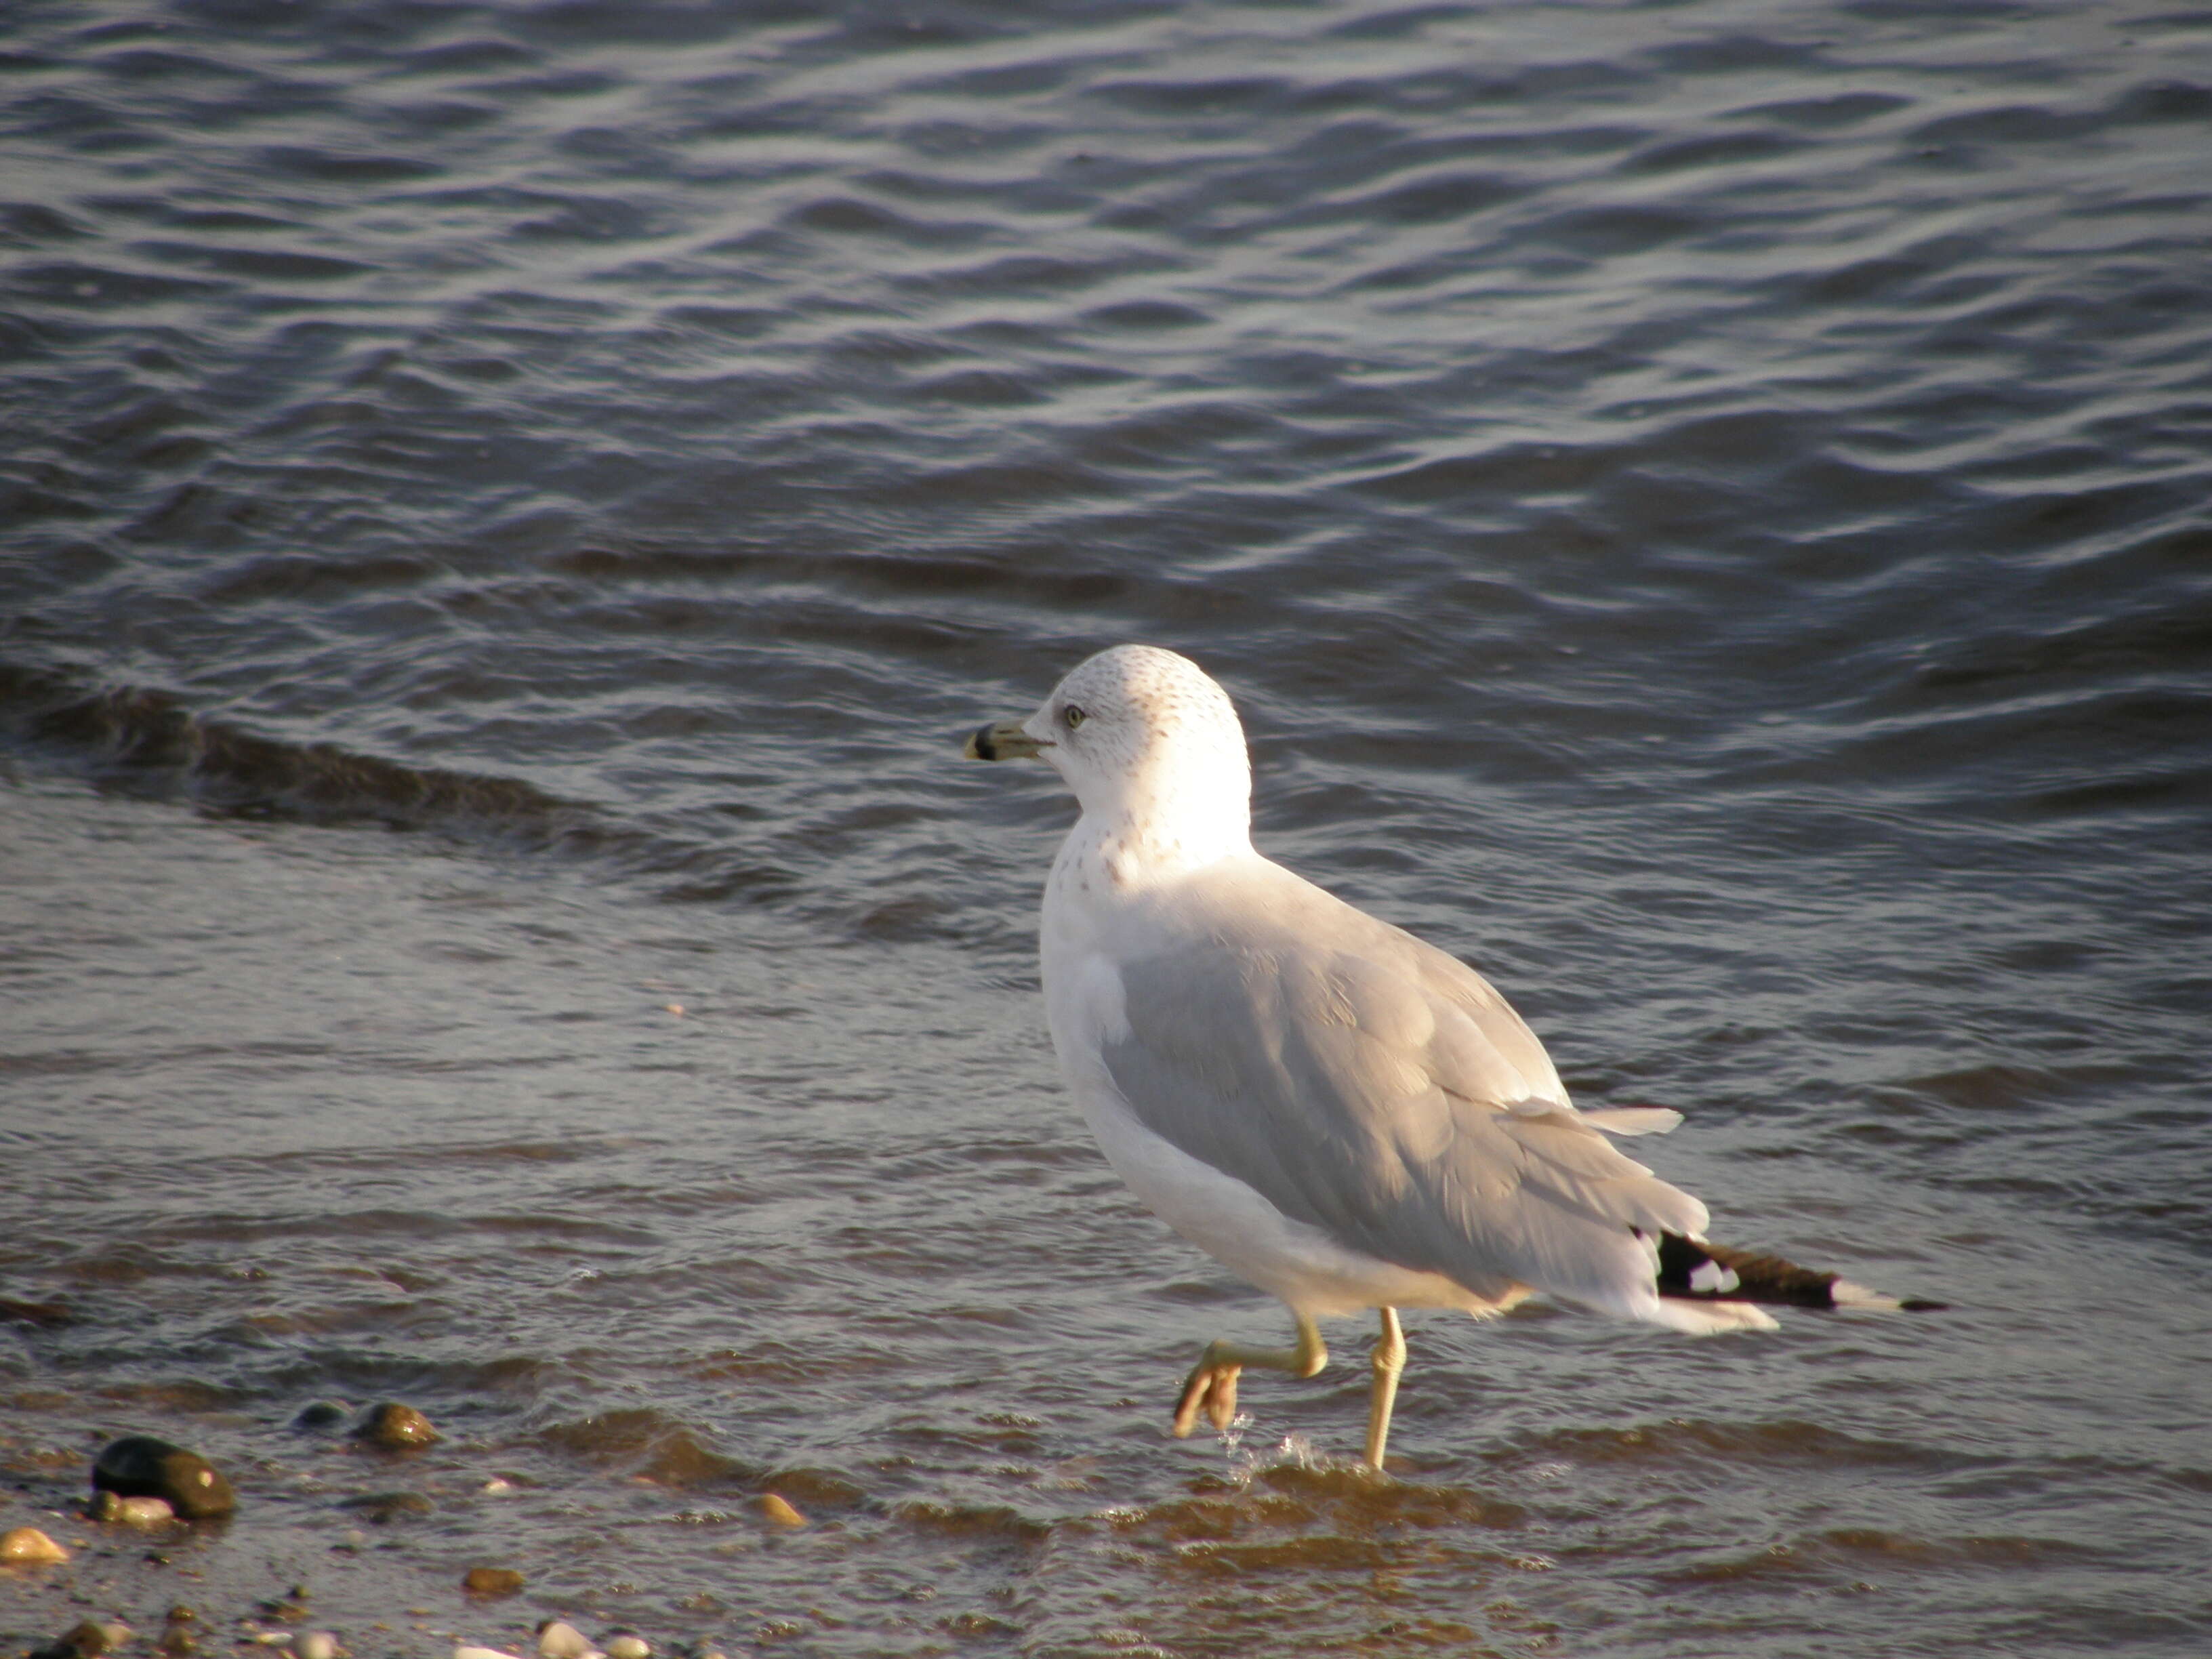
x=507, y=510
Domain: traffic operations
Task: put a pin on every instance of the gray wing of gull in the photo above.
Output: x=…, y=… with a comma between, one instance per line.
x=1373, y=1086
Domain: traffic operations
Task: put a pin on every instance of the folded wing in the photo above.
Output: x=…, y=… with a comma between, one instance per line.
x=1373, y=1087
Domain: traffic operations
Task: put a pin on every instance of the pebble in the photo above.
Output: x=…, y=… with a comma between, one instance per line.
x=626, y=1646
x=27, y=1546
x=317, y=1644
x=464, y=1651
x=395, y=1427
x=321, y=1416
x=139, y=1466
x=559, y=1639
x=778, y=1510
x=492, y=1581
x=132, y=1511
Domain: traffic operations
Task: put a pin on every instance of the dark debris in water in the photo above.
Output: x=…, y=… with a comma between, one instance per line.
x=383, y=1508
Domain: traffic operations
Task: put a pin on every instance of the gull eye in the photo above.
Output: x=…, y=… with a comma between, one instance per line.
x=1072, y=716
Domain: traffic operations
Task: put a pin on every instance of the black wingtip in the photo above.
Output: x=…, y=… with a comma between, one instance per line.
x=1701, y=1271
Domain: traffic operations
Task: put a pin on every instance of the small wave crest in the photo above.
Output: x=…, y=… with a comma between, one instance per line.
x=152, y=740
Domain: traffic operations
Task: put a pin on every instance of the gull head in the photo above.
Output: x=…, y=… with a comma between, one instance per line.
x=1149, y=743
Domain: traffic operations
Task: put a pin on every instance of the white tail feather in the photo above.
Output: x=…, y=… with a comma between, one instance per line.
x=1707, y=1318
x=1849, y=1295
x=1634, y=1119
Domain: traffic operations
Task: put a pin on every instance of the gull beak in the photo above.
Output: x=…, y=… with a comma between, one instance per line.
x=1003, y=740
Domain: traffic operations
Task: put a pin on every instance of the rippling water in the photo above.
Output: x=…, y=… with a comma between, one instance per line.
x=1703, y=507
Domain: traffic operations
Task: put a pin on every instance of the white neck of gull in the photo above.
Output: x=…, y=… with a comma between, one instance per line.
x=1179, y=811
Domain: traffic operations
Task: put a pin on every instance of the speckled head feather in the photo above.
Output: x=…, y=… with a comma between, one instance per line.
x=1145, y=737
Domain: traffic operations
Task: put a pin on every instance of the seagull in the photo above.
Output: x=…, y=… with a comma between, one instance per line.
x=1341, y=1115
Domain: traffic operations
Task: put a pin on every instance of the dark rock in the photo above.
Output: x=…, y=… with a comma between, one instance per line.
x=397, y=1427
x=492, y=1581
x=139, y=1466
x=291, y=1609
x=321, y=1416
x=383, y=1508
x=87, y=1641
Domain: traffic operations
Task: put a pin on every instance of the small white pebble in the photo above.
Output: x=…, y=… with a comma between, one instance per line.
x=498, y=1483
x=559, y=1639
x=144, y=1511
x=628, y=1646
x=317, y=1644
x=466, y=1651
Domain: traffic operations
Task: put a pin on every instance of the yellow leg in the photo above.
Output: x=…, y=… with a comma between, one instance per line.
x=1212, y=1385
x=1389, y=1358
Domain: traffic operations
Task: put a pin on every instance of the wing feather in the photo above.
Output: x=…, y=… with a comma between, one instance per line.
x=1373, y=1087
